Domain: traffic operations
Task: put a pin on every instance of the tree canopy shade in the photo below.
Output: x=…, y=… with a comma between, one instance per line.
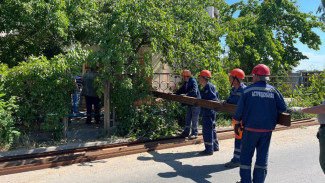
x=41, y=27
x=266, y=32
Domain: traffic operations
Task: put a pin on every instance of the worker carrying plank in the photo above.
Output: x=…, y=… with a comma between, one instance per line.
x=209, y=92
x=258, y=108
x=190, y=89
x=236, y=77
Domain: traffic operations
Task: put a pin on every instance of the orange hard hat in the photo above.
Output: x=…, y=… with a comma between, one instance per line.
x=262, y=70
x=237, y=73
x=205, y=73
x=186, y=73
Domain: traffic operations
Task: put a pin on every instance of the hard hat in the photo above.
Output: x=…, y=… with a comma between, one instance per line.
x=237, y=73
x=205, y=73
x=262, y=70
x=186, y=73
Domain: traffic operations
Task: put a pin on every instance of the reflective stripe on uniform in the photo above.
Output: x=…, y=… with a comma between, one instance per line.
x=187, y=126
x=194, y=128
x=262, y=167
x=237, y=156
x=261, y=89
x=236, y=93
x=246, y=167
x=237, y=150
x=208, y=143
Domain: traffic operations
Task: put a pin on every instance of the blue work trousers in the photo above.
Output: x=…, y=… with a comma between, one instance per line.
x=209, y=134
x=237, y=150
x=251, y=141
x=75, y=101
x=192, y=117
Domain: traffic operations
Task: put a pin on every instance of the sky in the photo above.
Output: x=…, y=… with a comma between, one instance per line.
x=316, y=59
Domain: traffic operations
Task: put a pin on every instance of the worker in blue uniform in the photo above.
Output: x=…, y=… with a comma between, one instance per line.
x=190, y=89
x=236, y=77
x=209, y=92
x=258, y=108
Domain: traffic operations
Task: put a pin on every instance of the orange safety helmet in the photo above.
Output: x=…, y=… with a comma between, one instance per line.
x=186, y=73
x=205, y=73
x=238, y=73
x=262, y=70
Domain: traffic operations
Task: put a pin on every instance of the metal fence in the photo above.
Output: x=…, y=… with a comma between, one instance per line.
x=166, y=82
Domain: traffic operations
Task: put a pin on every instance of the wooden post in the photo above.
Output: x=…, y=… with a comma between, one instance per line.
x=107, y=116
x=65, y=129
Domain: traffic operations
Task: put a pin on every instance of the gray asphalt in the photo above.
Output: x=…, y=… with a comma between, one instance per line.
x=293, y=158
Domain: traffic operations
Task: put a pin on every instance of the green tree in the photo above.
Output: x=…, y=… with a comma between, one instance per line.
x=321, y=9
x=181, y=32
x=42, y=27
x=266, y=32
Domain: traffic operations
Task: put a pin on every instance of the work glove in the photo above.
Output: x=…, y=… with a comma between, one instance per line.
x=295, y=109
x=237, y=127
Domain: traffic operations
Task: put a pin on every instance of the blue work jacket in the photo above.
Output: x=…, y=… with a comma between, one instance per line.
x=209, y=92
x=259, y=106
x=235, y=94
x=190, y=89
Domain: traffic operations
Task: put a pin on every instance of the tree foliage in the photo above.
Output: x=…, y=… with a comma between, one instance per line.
x=321, y=9
x=42, y=89
x=181, y=32
x=266, y=32
x=41, y=27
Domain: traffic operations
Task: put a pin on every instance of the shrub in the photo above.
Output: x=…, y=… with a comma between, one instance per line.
x=8, y=132
x=42, y=89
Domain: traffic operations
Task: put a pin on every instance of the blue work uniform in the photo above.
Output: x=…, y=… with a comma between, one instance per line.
x=209, y=92
x=191, y=89
x=233, y=99
x=258, y=108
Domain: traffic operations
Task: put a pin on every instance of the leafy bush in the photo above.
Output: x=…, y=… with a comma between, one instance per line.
x=42, y=89
x=8, y=132
x=152, y=121
x=309, y=96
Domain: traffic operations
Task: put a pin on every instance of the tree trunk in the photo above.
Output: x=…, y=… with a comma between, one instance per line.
x=107, y=116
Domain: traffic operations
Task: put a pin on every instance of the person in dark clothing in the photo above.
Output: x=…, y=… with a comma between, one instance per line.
x=236, y=77
x=190, y=88
x=209, y=92
x=90, y=93
x=258, y=108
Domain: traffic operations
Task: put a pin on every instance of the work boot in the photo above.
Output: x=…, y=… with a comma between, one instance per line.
x=184, y=135
x=231, y=164
x=193, y=136
x=204, y=153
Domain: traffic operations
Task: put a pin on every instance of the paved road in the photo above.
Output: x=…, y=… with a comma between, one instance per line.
x=293, y=158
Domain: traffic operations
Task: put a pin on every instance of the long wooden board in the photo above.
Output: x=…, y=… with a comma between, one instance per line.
x=283, y=118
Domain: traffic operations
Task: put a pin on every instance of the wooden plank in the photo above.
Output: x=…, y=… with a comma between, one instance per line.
x=283, y=118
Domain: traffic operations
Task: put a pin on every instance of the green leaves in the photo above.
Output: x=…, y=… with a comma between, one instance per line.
x=42, y=89
x=44, y=27
x=266, y=33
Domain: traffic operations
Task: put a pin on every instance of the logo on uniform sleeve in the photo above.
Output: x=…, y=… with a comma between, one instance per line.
x=262, y=94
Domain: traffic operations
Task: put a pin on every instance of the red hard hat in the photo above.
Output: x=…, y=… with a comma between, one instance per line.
x=237, y=73
x=205, y=73
x=186, y=73
x=262, y=70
